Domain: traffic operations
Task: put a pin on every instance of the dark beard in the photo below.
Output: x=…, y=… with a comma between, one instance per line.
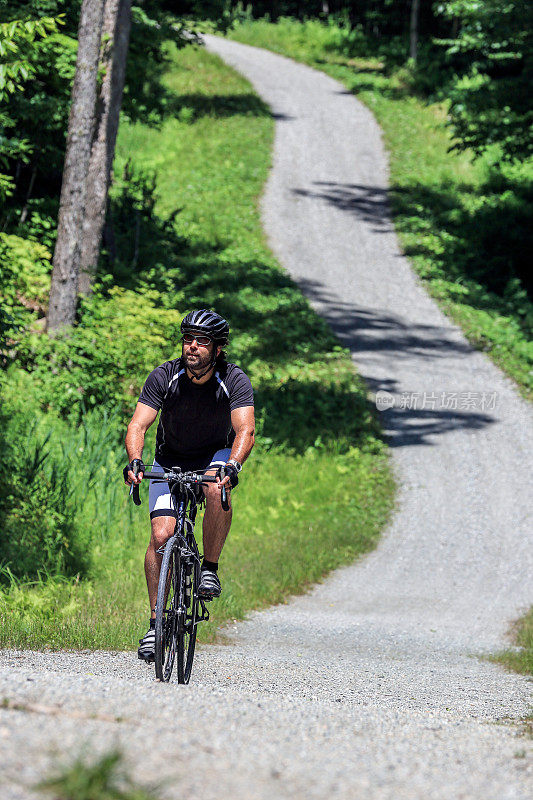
x=199, y=363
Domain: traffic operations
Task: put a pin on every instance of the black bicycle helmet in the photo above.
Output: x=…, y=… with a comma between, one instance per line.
x=207, y=322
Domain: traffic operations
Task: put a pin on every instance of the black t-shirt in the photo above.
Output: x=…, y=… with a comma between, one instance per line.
x=195, y=420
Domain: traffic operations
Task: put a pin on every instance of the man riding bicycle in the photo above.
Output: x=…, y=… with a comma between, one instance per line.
x=207, y=422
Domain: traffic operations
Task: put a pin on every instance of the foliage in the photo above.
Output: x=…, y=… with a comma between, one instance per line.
x=19, y=50
x=24, y=277
x=38, y=49
x=22, y=44
x=99, y=363
x=492, y=54
x=151, y=27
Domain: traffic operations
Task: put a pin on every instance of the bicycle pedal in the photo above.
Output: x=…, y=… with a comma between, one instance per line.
x=146, y=659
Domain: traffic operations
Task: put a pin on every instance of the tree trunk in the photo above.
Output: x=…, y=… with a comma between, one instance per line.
x=24, y=212
x=455, y=27
x=63, y=290
x=116, y=33
x=415, y=13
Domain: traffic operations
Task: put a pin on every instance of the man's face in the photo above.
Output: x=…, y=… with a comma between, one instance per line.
x=198, y=356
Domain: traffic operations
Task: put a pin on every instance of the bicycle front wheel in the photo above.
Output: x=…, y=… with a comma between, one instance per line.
x=189, y=578
x=166, y=612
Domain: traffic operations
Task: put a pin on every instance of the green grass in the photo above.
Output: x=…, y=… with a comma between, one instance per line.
x=465, y=226
x=317, y=489
x=104, y=778
x=520, y=659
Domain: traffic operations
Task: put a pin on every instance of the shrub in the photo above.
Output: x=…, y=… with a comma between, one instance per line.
x=25, y=279
x=38, y=532
x=55, y=490
x=103, y=361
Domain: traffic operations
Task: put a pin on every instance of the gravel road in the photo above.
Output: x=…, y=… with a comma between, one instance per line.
x=370, y=686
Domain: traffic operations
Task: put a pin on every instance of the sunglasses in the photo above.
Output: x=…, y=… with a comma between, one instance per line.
x=203, y=341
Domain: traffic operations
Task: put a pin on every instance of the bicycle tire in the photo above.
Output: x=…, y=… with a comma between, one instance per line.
x=187, y=620
x=166, y=615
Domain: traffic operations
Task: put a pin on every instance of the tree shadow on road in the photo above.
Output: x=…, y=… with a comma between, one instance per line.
x=368, y=203
x=478, y=237
x=420, y=412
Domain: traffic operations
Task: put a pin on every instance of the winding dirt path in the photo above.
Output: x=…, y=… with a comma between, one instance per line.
x=458, y=557
x=369, y=685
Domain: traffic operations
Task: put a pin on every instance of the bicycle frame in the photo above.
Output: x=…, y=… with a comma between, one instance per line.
x=180, y=530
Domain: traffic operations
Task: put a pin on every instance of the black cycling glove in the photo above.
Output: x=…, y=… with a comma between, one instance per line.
x=231, y=473
x=136, y=466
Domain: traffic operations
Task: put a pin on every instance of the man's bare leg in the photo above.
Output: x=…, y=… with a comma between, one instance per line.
x=217, y=523
x=162, y=530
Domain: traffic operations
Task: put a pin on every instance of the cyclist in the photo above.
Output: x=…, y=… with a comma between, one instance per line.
x=207, y=422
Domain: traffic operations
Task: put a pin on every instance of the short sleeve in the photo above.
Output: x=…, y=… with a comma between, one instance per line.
x=241, y=393
x=155, y=388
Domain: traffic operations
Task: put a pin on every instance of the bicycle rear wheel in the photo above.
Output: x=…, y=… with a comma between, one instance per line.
x=189, y=578
x=166, y=613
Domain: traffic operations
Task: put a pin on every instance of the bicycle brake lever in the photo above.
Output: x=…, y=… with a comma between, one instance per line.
x=134, y=488
x=224, y=495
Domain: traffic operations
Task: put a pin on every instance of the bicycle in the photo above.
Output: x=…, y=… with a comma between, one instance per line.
x=179, y=609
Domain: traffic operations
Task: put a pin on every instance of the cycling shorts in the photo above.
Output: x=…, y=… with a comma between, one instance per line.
x=159, y=497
